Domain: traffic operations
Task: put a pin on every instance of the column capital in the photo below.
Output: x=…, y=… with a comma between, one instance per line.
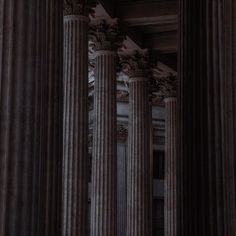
x=167, y=87
x=135, y=64
x=79, y=7
x=106, y=35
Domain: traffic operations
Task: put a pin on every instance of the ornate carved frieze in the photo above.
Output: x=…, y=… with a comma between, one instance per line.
x=135, y=64
x=105, y=34
x=79, y=7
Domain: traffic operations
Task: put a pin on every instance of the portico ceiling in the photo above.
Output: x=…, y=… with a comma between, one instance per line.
x=150, y=24
x=147, y=24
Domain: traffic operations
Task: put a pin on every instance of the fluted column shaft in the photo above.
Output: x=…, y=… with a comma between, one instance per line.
x=201, y=118
x=151, y=167
x=170, y=209
x=229, y=161
x=51, y=164
x=138, y=162
x=30, y=117
x=103, y=195
x=75, y=165
x=121, y=187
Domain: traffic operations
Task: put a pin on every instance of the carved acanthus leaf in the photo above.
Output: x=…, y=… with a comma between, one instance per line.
x=166, y=87
x=106, y=35
x=136, y=64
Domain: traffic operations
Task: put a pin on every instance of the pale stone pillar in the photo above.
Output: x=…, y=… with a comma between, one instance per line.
x=104, y=186
x=138, y=160
x=76, y=159
x=170, y=195
x=30, y=117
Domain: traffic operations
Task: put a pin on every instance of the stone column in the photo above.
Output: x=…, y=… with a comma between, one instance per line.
x=30, y=117
x=138, y=160
x=229, y=161
x=121, y=180
x=104, y=187
x=170, y=195
x=151, y=163
x=51, y=163
x=167, y=91
x=76, y=160
x=200, y=159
